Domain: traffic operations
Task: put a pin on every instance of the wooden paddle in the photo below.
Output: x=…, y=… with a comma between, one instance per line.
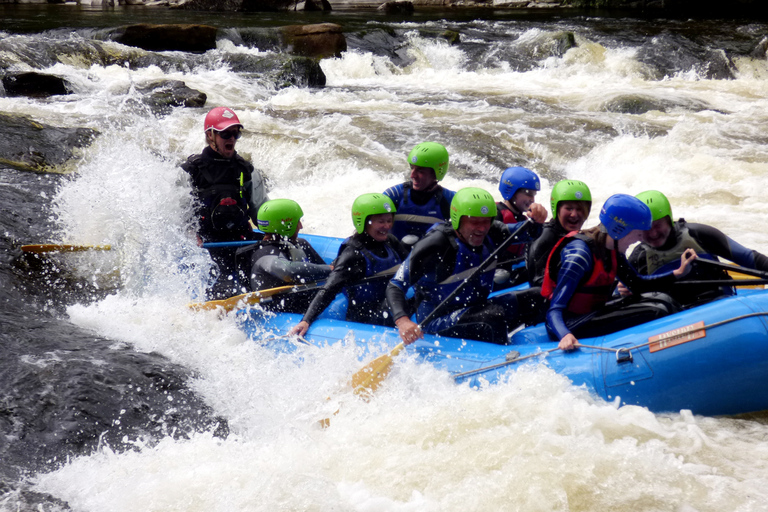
x=44, y=248
x=251, y=298
x=366, y=380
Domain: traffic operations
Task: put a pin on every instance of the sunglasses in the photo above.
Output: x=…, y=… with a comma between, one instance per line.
x=229, y=135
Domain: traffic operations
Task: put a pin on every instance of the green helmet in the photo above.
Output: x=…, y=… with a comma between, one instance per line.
x=367, y=205
x=569, y=190
x=280, y=216
x=657, y=202
x=430, y=154
x=471, y=202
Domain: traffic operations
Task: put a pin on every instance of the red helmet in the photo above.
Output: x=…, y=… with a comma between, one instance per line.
x=221, y=118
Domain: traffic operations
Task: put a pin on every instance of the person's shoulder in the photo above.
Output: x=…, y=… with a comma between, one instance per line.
x=447, y=193
x=395, y=190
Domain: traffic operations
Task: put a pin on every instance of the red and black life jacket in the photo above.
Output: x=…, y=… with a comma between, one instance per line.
x=594, y=290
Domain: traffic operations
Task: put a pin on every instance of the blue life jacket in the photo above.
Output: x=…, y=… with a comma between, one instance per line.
x=414, y=219
x=432, y=292
x=375, y=290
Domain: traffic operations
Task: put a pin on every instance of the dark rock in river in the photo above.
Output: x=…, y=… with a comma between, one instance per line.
x=397, y=7
x=670, y=54
x=31, y=146
x=158, y=38
x=320, y=40
x=34, y=85
x=640, y=104
x=162, y=95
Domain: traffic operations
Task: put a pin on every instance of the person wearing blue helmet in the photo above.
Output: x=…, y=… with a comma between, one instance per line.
x=582, y=269
x=518, y=187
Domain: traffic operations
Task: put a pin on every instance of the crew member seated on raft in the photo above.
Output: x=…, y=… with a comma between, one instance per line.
x=571, y=202
x=372, y=252
x=444, y=258
x=228, y=193
x=282, y=258
x=421, y=202
x=666, y=240
x=581, y=274
x=518, y=187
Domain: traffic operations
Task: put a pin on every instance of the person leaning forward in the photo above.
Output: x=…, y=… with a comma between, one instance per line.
x=666, y=240
x=442, y=260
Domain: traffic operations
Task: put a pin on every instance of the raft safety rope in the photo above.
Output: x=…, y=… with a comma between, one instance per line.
x=623, y=355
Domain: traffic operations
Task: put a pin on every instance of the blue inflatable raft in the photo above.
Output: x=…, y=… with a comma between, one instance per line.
x=711, y=359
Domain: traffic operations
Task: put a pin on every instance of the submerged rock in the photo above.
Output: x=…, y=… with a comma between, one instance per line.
x=157, y=38
x=319, y=40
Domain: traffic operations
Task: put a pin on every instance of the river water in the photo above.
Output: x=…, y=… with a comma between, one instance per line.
x=117, y=398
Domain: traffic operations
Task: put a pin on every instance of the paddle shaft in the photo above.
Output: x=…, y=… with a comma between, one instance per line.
x=733, y=268
x=724, y=282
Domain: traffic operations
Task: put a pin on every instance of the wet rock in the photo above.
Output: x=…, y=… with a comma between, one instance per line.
x=319, y=40
x=671, y=54
x=34, y=85
x=761, y=50
x=162, y=95
x=280, y=70
x=640, y=104
x=397, y=7
x=31, y=146
x=157, y=38
x=451, y=36
x=314, y=6
x=382, y=42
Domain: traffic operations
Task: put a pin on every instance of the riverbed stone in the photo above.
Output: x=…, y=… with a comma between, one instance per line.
x=34, y=85
x=28, y=145
x=162, y=95
x=168, y=37
x=318, y=40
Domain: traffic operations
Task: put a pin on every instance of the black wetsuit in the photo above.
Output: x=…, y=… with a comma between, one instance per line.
x=228, y=193
x=282, y=262
x=358, y=256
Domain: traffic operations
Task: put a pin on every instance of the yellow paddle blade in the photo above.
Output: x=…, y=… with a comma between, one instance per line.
x=43, y=248
x=243, y=300
x=740, y=276
x=368, y=378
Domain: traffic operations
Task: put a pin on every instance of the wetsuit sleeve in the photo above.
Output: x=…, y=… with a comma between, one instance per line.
x=576, y=262
x=426, y=255
x=292, y=271
x=717, y=243
x=395, y=193
x=349, y=267
x=642, y=283
x=312, y=254
x=532, y=232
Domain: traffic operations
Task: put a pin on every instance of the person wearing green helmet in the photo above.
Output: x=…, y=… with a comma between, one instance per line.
x=371, y=254
x=421, y=202
x=571, y=202
x=282, y=257
x=581, y=273
x=667, y=239
x=442, y=260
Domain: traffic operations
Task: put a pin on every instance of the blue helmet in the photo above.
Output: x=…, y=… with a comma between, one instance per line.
x=623, y=213
x=515, y=178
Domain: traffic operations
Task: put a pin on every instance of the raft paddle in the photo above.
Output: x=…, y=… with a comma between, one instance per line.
x=251, y=298
x=44, y=248
x=366, y=380
x=733, y=268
